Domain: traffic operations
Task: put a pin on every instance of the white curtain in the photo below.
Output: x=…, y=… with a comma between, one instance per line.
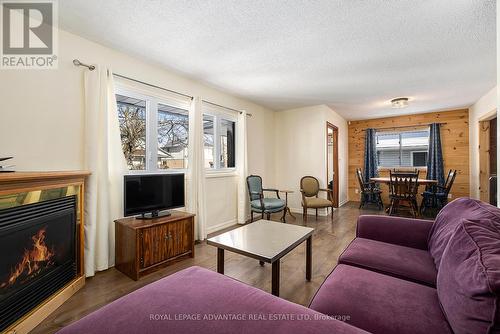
x=105, y=160
x=196, y=169
x=242, y=167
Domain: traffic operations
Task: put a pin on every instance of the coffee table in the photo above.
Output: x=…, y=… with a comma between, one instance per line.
x=266, y=241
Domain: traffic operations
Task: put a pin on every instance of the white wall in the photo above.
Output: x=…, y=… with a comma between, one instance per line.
x=41, y=118
x=301, y=150
x=483, y=109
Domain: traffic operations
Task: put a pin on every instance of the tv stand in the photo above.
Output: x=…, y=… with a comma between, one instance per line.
x=154, y=214
x=145, y=245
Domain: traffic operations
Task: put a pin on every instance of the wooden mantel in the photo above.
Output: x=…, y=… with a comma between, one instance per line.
x=23, y=181
x=73, y=182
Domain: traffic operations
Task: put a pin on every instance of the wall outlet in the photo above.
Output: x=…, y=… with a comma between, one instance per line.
x=450, y=196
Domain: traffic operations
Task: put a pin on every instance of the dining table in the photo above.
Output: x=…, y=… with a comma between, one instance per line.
x=387, y=180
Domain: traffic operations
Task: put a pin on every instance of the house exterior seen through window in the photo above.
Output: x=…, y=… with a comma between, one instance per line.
x=402, y=149
x=219, y=133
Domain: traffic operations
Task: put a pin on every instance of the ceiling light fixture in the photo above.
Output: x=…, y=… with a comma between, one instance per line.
x=400, y=102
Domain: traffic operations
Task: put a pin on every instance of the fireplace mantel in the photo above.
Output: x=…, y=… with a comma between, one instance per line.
x=22, y=188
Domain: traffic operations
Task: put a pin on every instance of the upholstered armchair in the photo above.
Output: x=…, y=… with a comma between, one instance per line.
x=309, y=188
x=261, y=204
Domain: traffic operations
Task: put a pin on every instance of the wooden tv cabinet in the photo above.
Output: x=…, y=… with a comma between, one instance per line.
x=145, y=245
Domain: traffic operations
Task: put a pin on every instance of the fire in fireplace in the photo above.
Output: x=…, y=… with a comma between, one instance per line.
x=38, y=247
x=33, y=262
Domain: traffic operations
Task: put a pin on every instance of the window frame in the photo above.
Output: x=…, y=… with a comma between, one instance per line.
x=400, y=150
x=218, y=114
x=152, y=97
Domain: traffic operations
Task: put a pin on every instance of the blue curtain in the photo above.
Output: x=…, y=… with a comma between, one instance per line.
x=435, y=168
x=370, y=168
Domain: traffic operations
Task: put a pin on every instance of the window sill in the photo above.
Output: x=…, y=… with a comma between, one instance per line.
x=211, y=174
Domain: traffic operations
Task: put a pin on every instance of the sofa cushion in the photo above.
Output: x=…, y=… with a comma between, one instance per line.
x=468, y=281
x=379, y=303
x=191, y=300
x=398, y=261
x=269, y=203
x=450, y=217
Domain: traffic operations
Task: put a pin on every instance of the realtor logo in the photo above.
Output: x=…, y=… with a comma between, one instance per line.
x=29, y=34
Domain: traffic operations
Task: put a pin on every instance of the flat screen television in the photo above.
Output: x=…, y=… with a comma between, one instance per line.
x=146, y=195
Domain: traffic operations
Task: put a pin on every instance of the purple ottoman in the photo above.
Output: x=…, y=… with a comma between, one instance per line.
x=197, y=300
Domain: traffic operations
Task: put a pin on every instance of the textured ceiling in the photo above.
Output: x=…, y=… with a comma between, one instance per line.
x=352, y=55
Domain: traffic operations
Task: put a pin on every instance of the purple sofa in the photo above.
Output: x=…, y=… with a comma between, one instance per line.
x=397, y=276
x=415, y=276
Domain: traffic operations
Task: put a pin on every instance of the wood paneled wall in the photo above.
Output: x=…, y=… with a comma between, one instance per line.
x=454, y=141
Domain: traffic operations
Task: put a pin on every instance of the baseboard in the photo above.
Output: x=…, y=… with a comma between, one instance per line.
x=221, y=226
x=321, y=212
x=343, y=203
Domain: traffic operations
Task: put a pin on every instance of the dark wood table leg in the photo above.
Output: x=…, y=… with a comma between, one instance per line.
x=220, y=261
x=308, y=258
x=288, y=208
x=275, y=283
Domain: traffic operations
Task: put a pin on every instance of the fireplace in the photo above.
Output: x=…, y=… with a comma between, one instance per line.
x=38, y=254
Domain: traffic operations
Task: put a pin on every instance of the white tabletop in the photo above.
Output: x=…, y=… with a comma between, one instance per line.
x=263, y=239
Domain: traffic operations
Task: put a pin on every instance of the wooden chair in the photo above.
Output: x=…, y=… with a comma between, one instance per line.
x=261, y=204
x=309, y=188
x=403, y=189
x=436, y=197
x=368, y=192
x=414, y=172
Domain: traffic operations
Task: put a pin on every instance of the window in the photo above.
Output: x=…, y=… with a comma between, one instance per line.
x=132, y=119
x=219, y=129
x=154, y=130
x=173, y=131
x=208, y=136
x=226, y=137
x=402, y=149
x=419, y=159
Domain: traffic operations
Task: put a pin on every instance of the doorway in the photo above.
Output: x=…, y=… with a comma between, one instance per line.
x=332, y=161
x=488, y=160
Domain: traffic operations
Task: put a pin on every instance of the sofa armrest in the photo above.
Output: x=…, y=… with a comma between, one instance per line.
x=395, y=230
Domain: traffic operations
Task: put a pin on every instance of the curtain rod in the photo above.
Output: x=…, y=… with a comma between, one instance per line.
x=406, y=126
x=218, y=105
x=150, y=85
x=77, y=62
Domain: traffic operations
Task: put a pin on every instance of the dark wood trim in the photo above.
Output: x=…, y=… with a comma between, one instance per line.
x=335, y=189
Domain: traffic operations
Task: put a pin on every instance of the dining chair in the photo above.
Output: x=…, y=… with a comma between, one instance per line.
x=368, y=191
x=405, y=172
x=309, y=188
x=436, y=196
x=261, y=204
x=403, y=189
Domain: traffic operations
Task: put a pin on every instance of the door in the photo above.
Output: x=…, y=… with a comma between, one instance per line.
x=488, y=160
x=332, y=161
